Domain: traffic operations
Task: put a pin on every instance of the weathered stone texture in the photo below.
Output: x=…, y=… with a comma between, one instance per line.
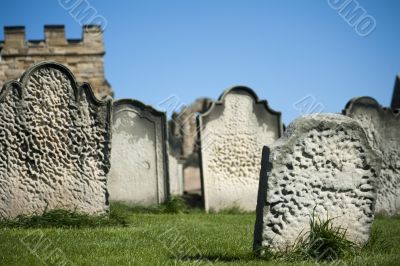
x=139, y=161
x=383, y=130
x=84, y=57
x=323, y=162
x=54, y=144
x=233, y=133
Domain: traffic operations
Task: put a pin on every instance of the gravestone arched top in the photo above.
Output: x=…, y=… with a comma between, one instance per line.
x=138, y=104
x=26, y=77
x=241, y=90
x=370, y=103
x=364, y=101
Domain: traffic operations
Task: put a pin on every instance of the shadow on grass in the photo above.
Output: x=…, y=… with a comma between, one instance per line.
x=204, y=259
x=173, y=205
x=232, y=210
x=176, y=205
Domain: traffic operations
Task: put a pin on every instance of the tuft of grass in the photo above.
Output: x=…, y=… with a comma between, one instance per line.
x=61, y=218
x=326, y=242
x=175, y=205
x=323, y=242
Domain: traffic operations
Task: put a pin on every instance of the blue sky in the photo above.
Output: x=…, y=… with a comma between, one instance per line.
x=283, y=49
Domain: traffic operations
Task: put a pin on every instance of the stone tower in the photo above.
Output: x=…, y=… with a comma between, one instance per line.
x=85, y=57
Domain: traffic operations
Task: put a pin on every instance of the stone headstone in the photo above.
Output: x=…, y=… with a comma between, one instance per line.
x=175, y=169
x=396, y=94
x=232, y=133
x=192, y=180
x=383, y=130
x=54, y=144
x=139, y=161
x=175, y=162
x=323, y=163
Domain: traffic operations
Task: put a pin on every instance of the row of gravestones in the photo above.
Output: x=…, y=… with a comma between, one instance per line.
x=56, y=151
x=56, y=138
x=236, y=127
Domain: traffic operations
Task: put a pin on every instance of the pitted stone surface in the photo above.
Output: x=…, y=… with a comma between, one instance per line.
x=233, y=132
x=323, y=162
x=54, y=144
x=383, y=130
x=139, y=169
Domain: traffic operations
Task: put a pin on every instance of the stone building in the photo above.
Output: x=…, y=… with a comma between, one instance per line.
x=84, y=57
x=183, y=138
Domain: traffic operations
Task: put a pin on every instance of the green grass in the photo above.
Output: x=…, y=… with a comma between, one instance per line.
x=118, y=216
x=66, y=219
x=168, y=236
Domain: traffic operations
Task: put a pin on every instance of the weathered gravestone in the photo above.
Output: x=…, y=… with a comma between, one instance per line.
x=54, y=144
x=396, y=94
x=175, y=169
x=139, y=161
x=383, y=130
x=232, y=133
x=175, y=163
x=323, y=163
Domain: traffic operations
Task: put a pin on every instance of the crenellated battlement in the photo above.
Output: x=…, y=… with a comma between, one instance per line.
x=83, y=56
x=15, y=43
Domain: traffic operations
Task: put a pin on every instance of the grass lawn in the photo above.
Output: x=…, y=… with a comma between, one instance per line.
x=169, y=239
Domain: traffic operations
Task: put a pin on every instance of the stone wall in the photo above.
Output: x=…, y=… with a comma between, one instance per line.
x=85, y=57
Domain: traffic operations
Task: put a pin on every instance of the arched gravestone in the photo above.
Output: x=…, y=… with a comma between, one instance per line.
x=323, y=164
x=383, y=129
x=54, y=144
x=139, y=161
x=232, y=134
